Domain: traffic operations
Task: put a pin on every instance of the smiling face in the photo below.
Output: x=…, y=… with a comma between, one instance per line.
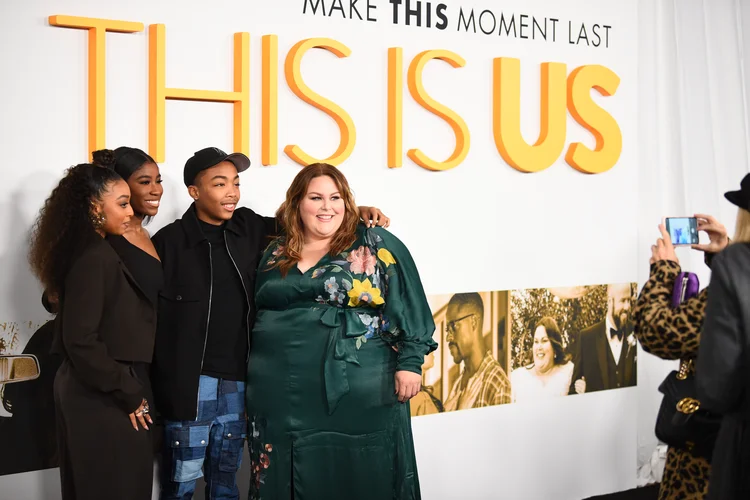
x=146, y=189
x=322, y=209
x=216, y=193
x=114, y=204
x=544, y=354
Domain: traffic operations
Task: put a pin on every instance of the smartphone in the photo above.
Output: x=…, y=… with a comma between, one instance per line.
x=683, y=230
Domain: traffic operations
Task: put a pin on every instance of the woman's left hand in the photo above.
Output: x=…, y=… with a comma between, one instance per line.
x=374, y=217
x=408, y=385
x=717, y=234
x=663, y=250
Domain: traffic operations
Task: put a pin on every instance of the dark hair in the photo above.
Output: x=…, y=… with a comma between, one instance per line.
x=63, y=228
x=555, y=338
x=50, y=302
x=289, y=217
x=125, y=161
x=104, y=158
x=472, y=301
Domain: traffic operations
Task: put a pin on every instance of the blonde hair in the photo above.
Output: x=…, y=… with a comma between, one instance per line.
x=742, y=227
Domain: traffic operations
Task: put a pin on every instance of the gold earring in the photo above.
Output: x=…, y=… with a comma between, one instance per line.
x=97, y=219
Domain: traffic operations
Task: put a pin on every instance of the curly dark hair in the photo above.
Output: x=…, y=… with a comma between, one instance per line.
x=124, y=160
x=105, y=158
x=63, y=228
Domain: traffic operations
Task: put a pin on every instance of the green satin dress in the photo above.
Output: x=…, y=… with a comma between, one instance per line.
x=325, y=422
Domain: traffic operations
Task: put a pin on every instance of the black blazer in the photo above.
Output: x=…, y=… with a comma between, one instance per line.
x=722, y=375
x=105, y=322
x=185, y=300
x=591, y=360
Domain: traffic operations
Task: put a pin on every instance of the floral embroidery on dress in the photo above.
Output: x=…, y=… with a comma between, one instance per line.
x=332, y=287
x=260, y=459
x=386, y=257
x=378, y=324
x=364, y=292
x=277, y=252
x=361, y=261
x=371, y=323
x=358, y=278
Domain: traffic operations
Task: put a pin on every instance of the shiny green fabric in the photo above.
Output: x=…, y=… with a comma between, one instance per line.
x=324, y=419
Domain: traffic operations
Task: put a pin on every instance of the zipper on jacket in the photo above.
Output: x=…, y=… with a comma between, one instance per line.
x=247, y=300
x=208, y=322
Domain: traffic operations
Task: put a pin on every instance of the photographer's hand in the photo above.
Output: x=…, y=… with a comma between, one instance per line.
x=663, y=250
x=717, y=234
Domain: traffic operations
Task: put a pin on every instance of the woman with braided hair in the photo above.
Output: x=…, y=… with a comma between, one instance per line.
x=104, y=332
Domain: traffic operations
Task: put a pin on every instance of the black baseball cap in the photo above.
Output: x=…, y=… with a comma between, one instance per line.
x=741, y=197
x=209, y=157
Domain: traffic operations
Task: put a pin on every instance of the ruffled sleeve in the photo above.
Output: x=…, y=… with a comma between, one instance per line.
x=408, y=323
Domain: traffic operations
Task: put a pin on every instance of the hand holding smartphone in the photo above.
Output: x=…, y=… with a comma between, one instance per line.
x=682, y=230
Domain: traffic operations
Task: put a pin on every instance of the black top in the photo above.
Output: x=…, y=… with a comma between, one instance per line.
x=145, y=268
x=184, y=302
x=226, y=344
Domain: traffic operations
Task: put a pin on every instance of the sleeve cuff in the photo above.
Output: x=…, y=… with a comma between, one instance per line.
x=129, y=402
x=410, y=357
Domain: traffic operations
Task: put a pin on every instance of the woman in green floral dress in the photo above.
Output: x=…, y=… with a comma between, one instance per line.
x=342, y=329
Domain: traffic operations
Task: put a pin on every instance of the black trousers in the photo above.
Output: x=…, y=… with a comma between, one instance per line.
x=101, y=455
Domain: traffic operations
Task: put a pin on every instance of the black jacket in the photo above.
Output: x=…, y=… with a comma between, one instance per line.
x=105, y=322
x=185, y=301
x=723, y=372
x=592, y=360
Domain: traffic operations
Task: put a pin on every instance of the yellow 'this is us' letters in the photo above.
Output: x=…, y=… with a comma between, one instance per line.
x=560, y=93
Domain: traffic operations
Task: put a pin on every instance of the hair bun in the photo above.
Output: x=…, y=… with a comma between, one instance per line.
x=104, y=158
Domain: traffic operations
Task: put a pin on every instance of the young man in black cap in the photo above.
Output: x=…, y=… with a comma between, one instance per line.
x=206, y=311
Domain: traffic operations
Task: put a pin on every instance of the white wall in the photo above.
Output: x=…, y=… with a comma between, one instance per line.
x=481, y=226
x=692, y=139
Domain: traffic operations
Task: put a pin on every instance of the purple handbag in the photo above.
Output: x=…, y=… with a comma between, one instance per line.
x=685, y=286
x=681, y=422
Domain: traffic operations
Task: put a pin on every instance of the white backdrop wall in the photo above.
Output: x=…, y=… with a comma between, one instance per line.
x=681, y=70
x=692, y=138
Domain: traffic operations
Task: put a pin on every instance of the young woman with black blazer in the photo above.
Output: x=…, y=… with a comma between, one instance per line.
x=105, y=333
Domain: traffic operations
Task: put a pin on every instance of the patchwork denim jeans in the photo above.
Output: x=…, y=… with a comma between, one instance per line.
x=211, y=446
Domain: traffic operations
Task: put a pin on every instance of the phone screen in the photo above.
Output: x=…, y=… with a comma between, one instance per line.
x=683, y=230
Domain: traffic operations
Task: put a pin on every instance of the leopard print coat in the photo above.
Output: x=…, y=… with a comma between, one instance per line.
x=673, y=333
